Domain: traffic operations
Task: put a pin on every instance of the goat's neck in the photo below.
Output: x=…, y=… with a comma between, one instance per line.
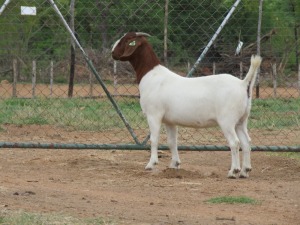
x=143, y=61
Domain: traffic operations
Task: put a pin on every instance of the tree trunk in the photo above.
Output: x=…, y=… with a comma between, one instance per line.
x=258, y=44
x=166, y=33
x=295, y=34
x=103, y=24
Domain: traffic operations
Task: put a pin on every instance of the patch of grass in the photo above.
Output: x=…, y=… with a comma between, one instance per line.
x=97, y=115
x=24, y=218
x=292, y=155
x=275, y=113
x=77, y=113
x=2, y=129
x=232, y=200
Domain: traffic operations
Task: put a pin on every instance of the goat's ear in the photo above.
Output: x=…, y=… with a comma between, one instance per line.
x=131, y=46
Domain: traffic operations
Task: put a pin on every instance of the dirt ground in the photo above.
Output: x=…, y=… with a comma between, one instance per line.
x=113, y=185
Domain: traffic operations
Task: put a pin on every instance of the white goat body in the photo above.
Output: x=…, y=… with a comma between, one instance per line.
x=168, y=98
x=192, y=102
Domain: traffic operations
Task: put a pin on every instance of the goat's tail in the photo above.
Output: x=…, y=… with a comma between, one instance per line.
x=252, y=73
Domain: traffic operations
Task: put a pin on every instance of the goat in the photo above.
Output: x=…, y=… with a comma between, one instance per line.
x=169, y=98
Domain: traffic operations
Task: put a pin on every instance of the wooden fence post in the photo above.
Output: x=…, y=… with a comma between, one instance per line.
x=91, y=82
x=214, y=68
x=33, y=78
x=115, y=78
x=241, y=70
x=15, y=74
x=299, y=78
x=274, y=77
x=166, y=32
x=51, y=77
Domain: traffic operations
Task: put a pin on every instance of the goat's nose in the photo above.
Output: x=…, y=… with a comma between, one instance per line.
x=114, y=55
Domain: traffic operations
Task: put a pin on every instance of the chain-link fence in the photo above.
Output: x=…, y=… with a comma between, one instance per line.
x=48, y=93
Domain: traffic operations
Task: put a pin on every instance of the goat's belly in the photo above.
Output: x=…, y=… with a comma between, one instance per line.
x=190, y=121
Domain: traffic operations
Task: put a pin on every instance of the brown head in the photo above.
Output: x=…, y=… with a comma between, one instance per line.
x=134, y=47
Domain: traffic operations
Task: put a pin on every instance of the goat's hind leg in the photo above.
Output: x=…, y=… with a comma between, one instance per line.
x=234, y=145
x=245, y=140
x=154, y=126
x=172, y=142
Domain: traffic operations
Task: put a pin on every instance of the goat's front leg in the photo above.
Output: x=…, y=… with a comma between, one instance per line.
x=154, y=125
x=172, y=142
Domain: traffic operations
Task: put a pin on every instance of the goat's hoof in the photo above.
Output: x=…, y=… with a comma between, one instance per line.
x=236, y=170
x=248, y=169
x=233, y=173
x=175, y=165
x=244, y=175
x=150, y=166
x=245, y=172
x=231, y=176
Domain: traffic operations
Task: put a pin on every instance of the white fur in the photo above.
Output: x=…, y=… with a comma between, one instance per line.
x=199, y=102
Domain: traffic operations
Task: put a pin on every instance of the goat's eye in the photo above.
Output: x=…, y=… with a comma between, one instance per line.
x=132, y=43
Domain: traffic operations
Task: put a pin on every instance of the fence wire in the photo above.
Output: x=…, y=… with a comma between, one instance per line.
x=48, y=94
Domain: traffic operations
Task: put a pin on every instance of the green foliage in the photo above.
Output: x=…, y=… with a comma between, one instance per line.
x=232, y=200
x=191, y=24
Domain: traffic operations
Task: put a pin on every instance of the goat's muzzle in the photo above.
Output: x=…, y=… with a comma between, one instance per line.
x=115, y=55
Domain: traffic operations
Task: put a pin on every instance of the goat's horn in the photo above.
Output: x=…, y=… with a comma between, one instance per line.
x=142, y=34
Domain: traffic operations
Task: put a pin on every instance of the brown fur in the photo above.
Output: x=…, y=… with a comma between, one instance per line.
x=141, y=56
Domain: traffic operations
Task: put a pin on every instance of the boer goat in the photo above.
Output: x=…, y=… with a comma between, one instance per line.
x=169, y=98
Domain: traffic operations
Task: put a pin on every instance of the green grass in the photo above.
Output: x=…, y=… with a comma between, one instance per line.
x=291, y=155
x=275, y=113
x=99, y=114
x=24, y=218
x=232, y=200
x=80, y=114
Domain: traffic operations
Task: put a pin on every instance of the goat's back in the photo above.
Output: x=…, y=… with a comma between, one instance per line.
x=195, y=102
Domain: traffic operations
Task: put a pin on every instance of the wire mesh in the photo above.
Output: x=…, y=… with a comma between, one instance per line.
x=38, y=102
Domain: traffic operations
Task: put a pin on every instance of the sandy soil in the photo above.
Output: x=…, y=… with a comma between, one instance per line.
x=114, y=185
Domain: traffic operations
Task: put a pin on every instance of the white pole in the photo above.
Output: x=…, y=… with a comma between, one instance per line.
x=68, y=28
x=4, y=6
x=213, y=38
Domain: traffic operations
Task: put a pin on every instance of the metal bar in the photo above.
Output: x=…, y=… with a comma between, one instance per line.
x=141, y=147
x=213, y=38
x=89, y=62
x=4, y=6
